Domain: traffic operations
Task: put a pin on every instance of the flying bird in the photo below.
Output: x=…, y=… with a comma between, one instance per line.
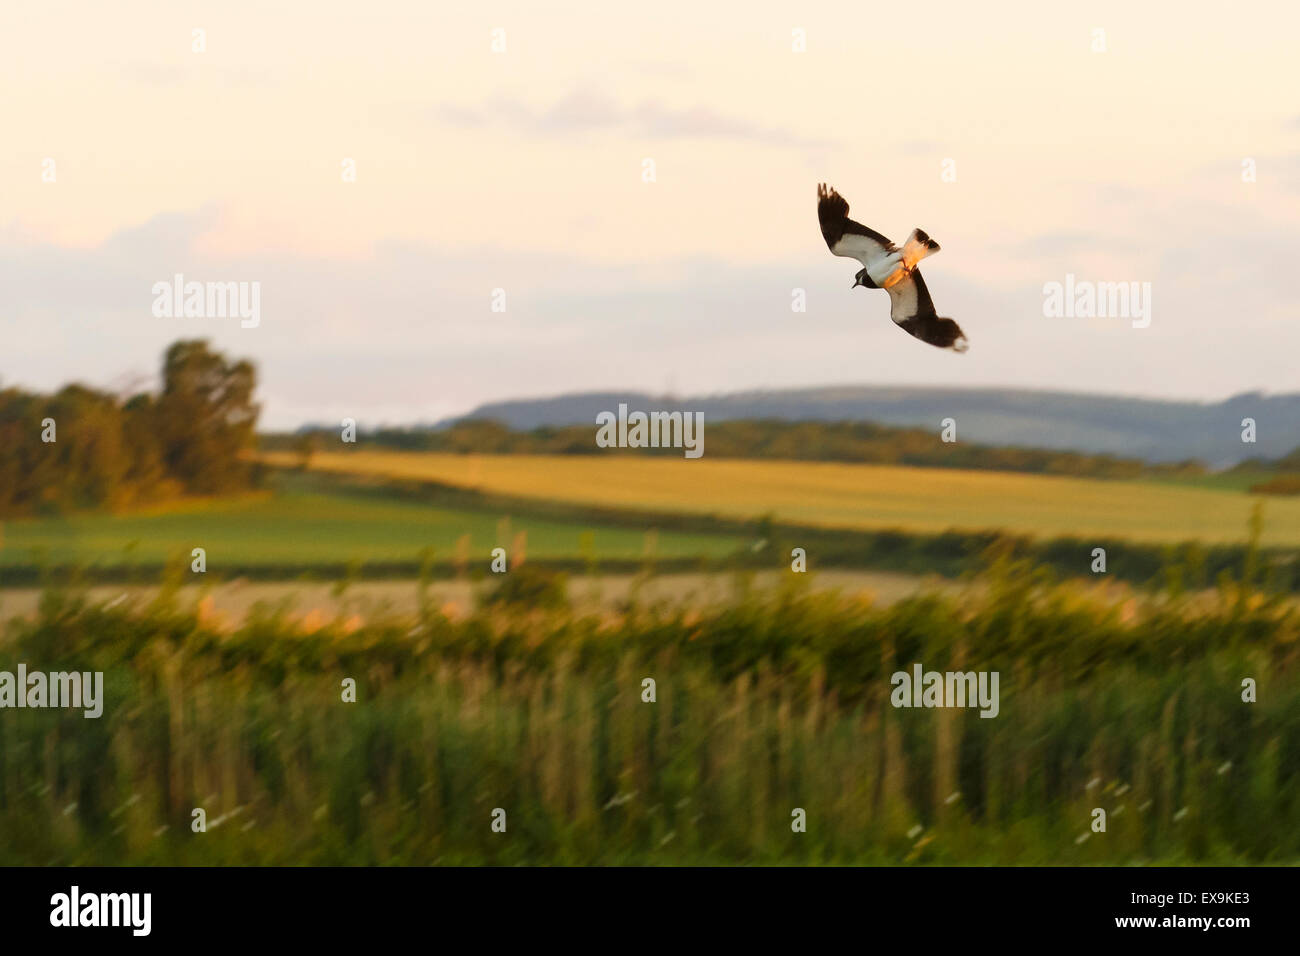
x=885, y=266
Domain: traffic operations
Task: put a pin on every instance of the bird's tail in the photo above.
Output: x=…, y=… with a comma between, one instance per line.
x=918, y=246
x=939, y=331
x=948, y=335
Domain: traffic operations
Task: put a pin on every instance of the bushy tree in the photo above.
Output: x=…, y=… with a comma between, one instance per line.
x=107, y=453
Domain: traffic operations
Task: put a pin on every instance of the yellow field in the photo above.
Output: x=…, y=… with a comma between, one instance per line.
x=846, y=495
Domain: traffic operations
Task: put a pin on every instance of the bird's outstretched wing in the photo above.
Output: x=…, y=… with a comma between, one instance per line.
x=912, y=310
x=845, y=237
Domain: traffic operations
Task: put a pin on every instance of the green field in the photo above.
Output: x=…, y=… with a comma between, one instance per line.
x=385, y=512
x=1240, y=481
x=850, y=496
x=303, y=527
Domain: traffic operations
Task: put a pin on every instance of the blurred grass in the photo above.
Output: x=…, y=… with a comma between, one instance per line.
x=772, y=700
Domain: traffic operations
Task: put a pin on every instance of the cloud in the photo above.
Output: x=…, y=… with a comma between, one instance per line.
x=1288, y=172
x=584, y=111
x=1056, y=244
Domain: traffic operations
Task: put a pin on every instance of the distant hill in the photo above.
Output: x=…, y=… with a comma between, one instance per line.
x=1149, y=429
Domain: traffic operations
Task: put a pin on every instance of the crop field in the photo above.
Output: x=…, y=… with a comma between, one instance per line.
x=847, y=495
x=317, y=528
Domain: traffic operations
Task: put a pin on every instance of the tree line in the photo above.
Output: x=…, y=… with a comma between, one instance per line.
x=84, y=448
x=1284, y=474
x=859, y=442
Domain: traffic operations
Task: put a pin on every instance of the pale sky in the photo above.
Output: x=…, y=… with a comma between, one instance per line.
x=522, y=170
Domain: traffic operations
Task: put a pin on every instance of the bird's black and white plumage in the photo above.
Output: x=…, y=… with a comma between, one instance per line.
x=885, y=266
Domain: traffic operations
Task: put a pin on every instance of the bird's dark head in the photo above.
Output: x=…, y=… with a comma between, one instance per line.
x=862, y=279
